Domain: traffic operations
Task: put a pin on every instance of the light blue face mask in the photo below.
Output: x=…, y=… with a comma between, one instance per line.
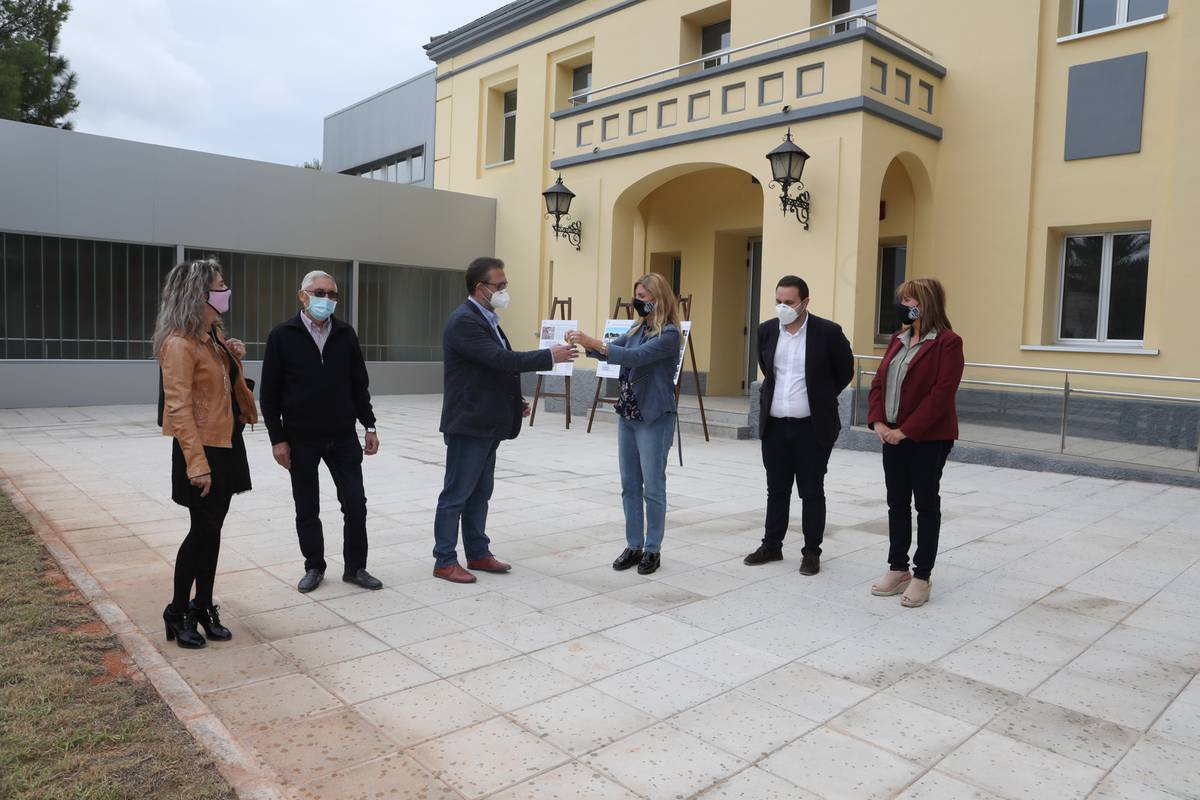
x=321, y=308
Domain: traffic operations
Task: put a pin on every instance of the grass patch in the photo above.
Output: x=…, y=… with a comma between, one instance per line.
x=77, y=720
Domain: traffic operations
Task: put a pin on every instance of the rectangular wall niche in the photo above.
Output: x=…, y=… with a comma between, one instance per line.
x=610, y=128
x=810, y=80
x=1105, y=101
x=637, y=121
x=668, y=113
x=770, y=89
x=733, y=98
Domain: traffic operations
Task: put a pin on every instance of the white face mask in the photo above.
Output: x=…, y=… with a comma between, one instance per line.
x=787, y=315
x=500, y=299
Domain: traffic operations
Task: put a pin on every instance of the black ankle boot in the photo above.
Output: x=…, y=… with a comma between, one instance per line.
x=211, y=622
x=181, y=625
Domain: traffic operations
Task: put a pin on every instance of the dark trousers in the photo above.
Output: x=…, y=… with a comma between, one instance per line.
x=470, y=477
x=196, y=561
x=913, y=471
x=343, y=455
x=792, y=457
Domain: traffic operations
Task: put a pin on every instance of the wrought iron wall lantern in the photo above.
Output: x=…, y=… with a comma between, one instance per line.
x=787, y=165
x=558, y=203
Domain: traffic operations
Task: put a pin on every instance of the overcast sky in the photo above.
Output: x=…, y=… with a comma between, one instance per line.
x=250, y=78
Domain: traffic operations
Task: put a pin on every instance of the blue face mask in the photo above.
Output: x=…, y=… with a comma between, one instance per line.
x=321, y=308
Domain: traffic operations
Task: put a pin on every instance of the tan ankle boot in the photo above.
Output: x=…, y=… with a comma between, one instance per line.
x=894, y=582
x=917, y=593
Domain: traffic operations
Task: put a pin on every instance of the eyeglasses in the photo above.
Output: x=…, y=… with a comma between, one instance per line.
x=322, y=293
x=500, y=287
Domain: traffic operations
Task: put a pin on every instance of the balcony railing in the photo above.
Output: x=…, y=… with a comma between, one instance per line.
x=1073, y=412
x=842, y=65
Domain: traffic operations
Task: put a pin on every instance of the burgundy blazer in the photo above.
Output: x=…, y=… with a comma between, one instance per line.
x=927, y=411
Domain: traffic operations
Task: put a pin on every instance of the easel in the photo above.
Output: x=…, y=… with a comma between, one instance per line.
x=610, y=401
x=562, y=307
x=685, y=308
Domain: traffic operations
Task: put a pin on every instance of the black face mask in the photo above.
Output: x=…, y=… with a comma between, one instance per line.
x=907, y=314
x=643, y=307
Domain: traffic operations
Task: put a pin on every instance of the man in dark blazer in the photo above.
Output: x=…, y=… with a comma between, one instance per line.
x=481, y=407
x=806, y=362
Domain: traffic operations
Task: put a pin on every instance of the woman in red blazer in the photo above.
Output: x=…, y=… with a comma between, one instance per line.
x=912, y=412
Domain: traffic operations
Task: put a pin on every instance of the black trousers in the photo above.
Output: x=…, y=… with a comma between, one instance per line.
x=343, y=455
x=196, y=561
x=913, y=471
x=792, y=457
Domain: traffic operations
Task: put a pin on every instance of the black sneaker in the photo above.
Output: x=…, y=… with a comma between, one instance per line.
x=761, y=556
x=627, y=559
x=649, y=563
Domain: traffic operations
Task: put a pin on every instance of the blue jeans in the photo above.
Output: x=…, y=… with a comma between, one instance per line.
x=642, y=449
x=470, y=476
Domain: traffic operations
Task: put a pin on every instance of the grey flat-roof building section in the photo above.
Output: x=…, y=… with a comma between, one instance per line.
x=89, y=223
x=395, y=121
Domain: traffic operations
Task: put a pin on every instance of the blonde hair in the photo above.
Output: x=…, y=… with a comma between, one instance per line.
x=666, y=309
x=184, y=295
x=931, y=299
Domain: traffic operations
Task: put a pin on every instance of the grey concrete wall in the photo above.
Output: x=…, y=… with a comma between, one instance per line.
x=65, y=183
x=396, y=119
x=55, y=384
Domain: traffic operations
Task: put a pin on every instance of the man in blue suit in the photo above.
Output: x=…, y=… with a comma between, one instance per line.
x=481, y=407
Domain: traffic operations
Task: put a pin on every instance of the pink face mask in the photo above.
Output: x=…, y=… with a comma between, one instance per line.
x=219, y=299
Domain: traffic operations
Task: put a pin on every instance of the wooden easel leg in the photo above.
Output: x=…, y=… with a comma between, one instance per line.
x=537, y=396
x=679, y=436
x=595, y=402
x=699, y=395
x=568, y=399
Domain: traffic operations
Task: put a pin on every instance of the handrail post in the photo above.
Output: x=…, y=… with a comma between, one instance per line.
x=1062, y=437
x=857, y=392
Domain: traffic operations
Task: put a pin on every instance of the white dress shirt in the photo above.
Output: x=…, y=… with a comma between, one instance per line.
x=791, y=385
x=319, y=331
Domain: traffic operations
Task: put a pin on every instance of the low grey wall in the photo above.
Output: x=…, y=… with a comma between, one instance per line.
x=53, y=384
x=1156, y=423
x=583, y=389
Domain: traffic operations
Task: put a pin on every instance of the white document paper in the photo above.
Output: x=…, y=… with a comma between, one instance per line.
x=687, y=331
x=612, y=329
x=554, y=331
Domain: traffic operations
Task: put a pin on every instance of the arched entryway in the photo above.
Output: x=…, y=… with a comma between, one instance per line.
x=902, y=241
x=700, y=226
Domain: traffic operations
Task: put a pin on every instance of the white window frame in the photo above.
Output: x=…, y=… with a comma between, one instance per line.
x=1106, y=252
x=504, y=115
x=1122, y=20
x=872, y=9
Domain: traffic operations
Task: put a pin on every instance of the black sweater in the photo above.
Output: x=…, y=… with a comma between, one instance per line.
x=307, y=394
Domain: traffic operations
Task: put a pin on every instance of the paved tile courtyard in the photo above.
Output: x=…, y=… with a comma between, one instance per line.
x=1057, y=658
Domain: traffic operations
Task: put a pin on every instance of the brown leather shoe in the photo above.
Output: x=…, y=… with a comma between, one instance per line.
x=489, y=564
x=810, y=565
x=453, y=573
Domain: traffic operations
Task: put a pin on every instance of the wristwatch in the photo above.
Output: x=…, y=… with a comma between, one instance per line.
x=370, y=430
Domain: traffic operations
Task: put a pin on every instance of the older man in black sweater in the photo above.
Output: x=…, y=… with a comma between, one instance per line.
x=314, y=387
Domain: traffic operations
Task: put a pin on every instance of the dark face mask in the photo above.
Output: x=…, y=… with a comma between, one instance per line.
x=643, y=307
x=907, y=314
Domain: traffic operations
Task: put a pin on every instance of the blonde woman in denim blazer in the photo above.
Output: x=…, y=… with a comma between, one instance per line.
x=647, y=355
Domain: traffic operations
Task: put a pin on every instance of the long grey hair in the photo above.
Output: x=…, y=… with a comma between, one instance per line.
x=184, y=295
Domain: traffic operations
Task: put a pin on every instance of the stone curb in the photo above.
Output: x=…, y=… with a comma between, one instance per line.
x=249, y=777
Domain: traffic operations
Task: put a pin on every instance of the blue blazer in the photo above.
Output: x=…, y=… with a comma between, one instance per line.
x=481, y=377
x=650, y=366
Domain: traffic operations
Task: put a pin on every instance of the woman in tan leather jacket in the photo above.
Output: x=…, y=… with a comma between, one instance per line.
x=204, y=404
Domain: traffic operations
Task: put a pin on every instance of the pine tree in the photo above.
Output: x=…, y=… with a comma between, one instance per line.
x=36, y=83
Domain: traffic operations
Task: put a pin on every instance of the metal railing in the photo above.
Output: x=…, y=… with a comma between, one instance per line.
x=864, y=19
x=1066, y=389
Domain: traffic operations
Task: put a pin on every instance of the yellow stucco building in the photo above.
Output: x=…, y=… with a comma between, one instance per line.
x=1037, y=156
